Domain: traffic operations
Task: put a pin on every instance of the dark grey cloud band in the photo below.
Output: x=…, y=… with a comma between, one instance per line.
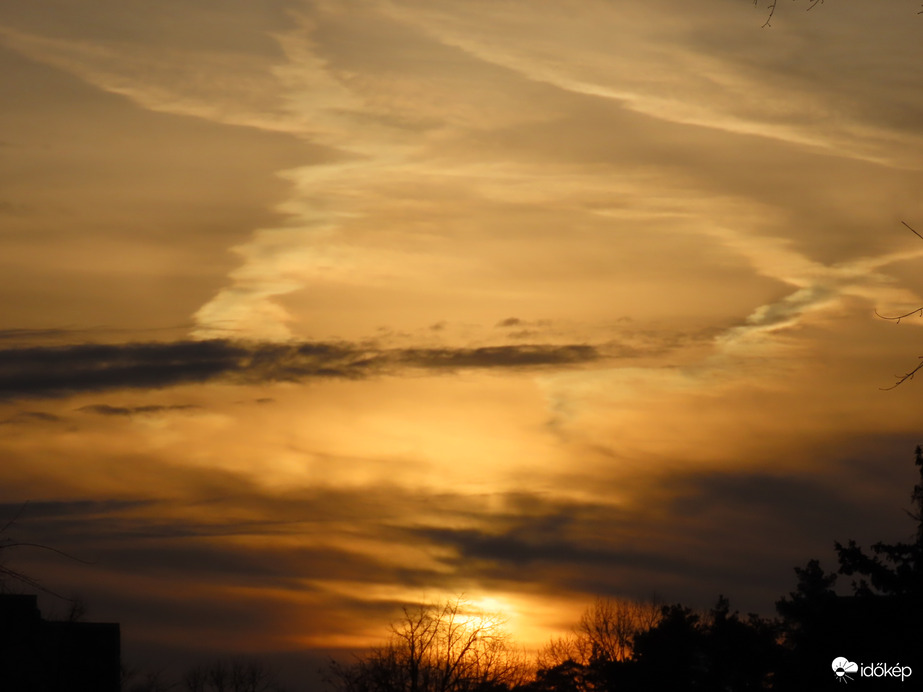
x=62, y=370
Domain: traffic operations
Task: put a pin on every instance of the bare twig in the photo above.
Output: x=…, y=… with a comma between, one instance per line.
x=907, y=224
x=897, y=318
x=772, y=9
x=7, y=572
x=903, y=378
x=46, y=547
x=12, y=520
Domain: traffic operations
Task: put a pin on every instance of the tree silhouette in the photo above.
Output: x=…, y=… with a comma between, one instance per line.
x=717, y=650
x=671, y=655
x=599, y=649
x=606, y=632
x=677, y=648
x=893, y=569
x=880, y=620
x=235, y=675
x=447, y=648
x=148, y=681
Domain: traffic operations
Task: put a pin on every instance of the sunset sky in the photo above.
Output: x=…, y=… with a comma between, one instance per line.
x=309, y=309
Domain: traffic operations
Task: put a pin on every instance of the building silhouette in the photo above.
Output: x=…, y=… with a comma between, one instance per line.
x=38, y=655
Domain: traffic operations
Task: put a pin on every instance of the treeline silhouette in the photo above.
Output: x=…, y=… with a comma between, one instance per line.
x=235, y=674
x=818, y=638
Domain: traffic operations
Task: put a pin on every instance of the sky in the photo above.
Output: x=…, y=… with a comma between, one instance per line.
x=311, y=309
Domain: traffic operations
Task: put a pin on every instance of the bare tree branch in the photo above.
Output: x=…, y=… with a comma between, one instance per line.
x=10, y=573
x=606, y=632
x=907, y=224
x=903, y=378
x=897, y=318
x=12, y=521
x=447, y=648
x=771, y=7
